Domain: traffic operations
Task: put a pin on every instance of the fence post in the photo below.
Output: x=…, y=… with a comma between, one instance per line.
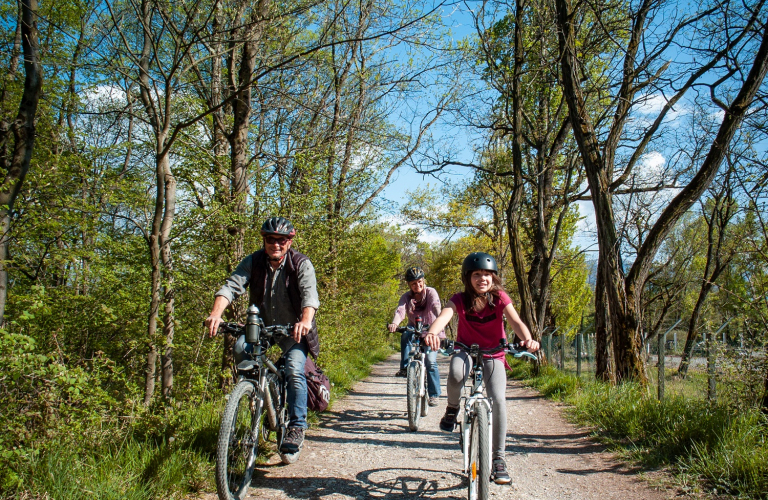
x=662, y=356
x=712, y=362
x=562, y=351
x=578, y=353
x=548, y=346
x=711, y=386
x=563, y=340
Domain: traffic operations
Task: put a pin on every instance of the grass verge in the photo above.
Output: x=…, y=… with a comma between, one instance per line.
x=724, y=449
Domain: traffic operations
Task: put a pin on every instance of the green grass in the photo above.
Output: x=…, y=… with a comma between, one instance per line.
x=723, y=449
x=132, y=466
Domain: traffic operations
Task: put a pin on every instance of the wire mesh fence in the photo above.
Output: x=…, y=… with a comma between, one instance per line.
x=719, y=368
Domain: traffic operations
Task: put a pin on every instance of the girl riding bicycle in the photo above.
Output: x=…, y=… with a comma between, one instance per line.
x=480, y=310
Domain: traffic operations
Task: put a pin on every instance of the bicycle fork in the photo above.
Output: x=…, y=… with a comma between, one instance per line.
x=422, y=377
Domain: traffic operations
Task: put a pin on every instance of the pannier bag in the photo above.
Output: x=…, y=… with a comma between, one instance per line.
x=318, y=387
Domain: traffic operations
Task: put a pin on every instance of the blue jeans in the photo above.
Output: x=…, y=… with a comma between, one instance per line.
x=430, y=362
x=295, y=359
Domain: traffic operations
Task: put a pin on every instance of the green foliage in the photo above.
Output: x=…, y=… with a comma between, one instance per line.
x=49, y=405
x=724, y=448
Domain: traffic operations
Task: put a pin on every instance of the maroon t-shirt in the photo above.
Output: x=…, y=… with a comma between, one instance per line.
x=485, y=328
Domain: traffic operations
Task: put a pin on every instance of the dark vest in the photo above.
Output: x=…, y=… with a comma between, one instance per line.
x=258, y=287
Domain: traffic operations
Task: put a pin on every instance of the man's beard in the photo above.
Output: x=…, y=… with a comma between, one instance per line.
x=274, y=259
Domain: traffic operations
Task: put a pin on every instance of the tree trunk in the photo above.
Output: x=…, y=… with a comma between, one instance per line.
x=526, y=308
x=764, y=402
x=23, y=131
x=242, y=106
x=168, y=297
x=602, y=331
x=160, y=126
x=627, y=345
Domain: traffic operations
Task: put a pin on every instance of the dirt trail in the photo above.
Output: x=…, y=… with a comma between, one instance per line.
x=363, y=449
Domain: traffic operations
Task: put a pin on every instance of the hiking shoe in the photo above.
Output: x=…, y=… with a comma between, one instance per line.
x=499, y=473
x=448, y=422
x=293, y=440
x=432, y=401
x=401, y=373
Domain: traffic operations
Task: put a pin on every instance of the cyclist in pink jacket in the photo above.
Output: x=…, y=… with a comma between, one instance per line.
x=420, y=301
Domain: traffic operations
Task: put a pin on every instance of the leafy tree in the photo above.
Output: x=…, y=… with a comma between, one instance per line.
x=599, y=141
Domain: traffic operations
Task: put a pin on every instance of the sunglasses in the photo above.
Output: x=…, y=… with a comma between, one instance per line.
x=276, y=241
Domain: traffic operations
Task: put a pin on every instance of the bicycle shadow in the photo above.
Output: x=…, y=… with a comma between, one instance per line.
x=383, y=484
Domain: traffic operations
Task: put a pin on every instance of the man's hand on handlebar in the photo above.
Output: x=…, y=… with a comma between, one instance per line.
x=300, y=329
x=213, y=322
x=392, y=328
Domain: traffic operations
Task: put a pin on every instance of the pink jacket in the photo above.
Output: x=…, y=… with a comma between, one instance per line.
x=428, y=308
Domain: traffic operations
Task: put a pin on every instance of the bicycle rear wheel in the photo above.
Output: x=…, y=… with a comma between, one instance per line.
x=238, y=442
x=414, y=400
x=479, y=454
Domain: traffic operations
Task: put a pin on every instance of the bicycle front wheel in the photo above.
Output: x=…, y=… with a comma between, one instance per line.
x=414, y=400
x=479, y=454
x=238, y=442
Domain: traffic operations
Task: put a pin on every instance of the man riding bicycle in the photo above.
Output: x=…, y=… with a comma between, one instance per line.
x=421, y=301
x=281, y=283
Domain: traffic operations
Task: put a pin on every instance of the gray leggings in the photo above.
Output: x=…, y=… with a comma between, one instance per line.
x=495, y=380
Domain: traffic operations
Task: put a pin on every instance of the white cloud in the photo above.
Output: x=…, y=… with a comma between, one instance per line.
x=653, y=161
x=650, y=105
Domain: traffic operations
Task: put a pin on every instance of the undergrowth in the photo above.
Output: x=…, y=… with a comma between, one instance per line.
x=724, y=448
x=92, y=438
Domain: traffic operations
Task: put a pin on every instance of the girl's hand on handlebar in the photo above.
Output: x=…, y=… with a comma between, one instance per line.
x=433, y=341
x=530, y=344
x=392, y=328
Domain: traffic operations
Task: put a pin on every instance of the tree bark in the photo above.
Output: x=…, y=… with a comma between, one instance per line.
x=602, y=331
x=23, y=131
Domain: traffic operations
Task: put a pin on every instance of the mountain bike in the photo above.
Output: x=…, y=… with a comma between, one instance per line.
x=417, y=395
x=475, y=423
x=256, y=407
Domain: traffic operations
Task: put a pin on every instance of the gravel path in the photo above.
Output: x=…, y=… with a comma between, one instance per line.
x=363, y=449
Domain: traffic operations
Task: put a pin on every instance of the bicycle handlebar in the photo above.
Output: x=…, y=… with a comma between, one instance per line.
x=269, y=331
x=411, y=329
x=448, y=347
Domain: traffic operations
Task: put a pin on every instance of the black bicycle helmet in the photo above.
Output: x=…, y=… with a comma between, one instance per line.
x=479, y=260
x=414, y=273
x=278, y=226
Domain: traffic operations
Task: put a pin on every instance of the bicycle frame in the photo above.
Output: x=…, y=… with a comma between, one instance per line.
x=257, y=369
x=477, y=394
x=417, y=354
